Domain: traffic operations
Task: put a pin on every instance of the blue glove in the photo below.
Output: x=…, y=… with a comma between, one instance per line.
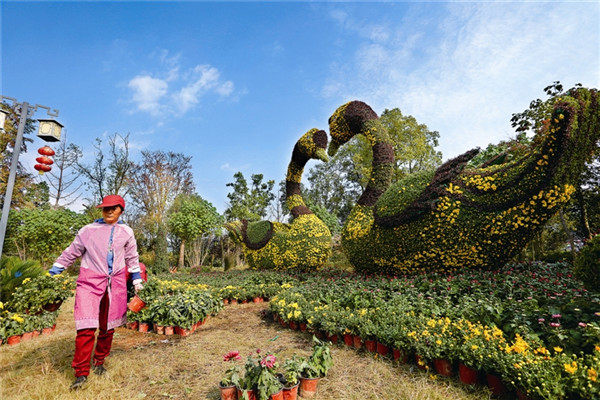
x=55, y=270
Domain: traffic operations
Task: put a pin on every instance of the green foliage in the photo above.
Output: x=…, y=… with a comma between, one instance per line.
x=402, y=193
x=13, y=272
x=191, y=216
x=249, y=203
x=43, y=234
x=35, y=293
x=320, y=361
x=587, y=264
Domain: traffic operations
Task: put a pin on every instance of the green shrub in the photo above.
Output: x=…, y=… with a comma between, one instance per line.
x=587, y=264
x=558, y=256
x=13, y=272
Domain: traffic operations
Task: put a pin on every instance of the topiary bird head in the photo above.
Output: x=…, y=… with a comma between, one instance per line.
x=312, y=145
x=347, y=121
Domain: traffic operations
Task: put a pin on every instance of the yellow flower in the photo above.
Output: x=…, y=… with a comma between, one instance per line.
x=26, y=280
x=558, y=349
x=592, y=374
x=571, y=368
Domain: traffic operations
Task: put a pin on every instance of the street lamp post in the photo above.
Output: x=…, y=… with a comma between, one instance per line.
x=26, y=110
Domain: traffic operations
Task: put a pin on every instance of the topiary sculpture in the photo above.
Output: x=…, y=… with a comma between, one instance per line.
x=459, y=216
x=305, y=242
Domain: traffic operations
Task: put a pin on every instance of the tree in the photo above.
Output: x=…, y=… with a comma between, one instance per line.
x=158, y=179
x=192, y=218
x=109, y=176
x=249, y=203
x=63, y=179
x=23, y=179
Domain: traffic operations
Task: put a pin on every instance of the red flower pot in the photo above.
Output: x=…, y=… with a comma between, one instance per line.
x=357, y=342
x=467, y=375
x=51, y=307
x=26, y=336
x=169, y=330
x=443, y=366
x=371, y=345
x=46, y=331
x=234, y=301
x=226, y=301
x=277, y=396
x=133, y=325
x=382, y=349
x=348, y=339
x=303, y=326
x=308, y=387
x=251, y=394
x=14, y=339
x=495, y=384
x=183, y=332
x=228, y=392
x=333, y=338
x=294, y=325
x=400, y=355
x=136, y=304
x=159, y=329
x=256, y=300
x=143, y=327
x=291, y=393
x=36, y=333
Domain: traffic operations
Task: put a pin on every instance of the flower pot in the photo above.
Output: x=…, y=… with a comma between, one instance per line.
x=371, y=345
x=291, y=393
x=133, y=325
x=226, y=301
x=51, y=307
x=46, y=331
x=467, y=375
x=303, y=326
x=159, y=329
x=183, y=332
x=494, y=382
x=348, y=339
x=251, y=394
x=357, y=342
x=421, y=363
x=169, y=330
x=143, y=327
x=245, y=301
x=14, y=339
x=294, y=325
x=53, y=327
x=228, y=392
x=522, y=395
x=333, y=338
x=382, y=349
x=36, y=333
x=443, y=366
x=277, y=396
x=233, y=301
x=136, y=304
x=26, y=336
x=256, y=300
x=400, y=355
x=308, y=387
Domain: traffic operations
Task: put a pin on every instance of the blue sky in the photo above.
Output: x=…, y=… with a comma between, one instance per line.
x=235, y=84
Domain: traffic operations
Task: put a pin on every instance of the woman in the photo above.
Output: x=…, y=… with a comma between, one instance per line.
x=106, y=247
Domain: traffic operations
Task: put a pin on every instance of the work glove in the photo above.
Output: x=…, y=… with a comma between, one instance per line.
x=137, y=285
x=56, y=269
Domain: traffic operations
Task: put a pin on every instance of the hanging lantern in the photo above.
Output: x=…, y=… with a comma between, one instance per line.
x=42, y=168
x=46, y=151
x=49, y=130
x=44, y=160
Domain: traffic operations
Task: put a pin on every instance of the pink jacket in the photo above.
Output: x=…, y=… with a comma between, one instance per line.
x=92, y=245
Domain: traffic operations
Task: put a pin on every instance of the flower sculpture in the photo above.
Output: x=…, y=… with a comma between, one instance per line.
x=460, y=216
x=303, y=243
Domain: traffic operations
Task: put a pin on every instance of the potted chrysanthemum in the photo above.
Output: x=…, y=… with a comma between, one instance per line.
x=231, y=379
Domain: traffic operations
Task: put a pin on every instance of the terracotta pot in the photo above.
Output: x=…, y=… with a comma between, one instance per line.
x=14, y=339
x=226, y=301
x=320, y=334
x=233, y=301
x=228, y=392
x=421, y=363
x=26, y=336
x=522, y=395
x=136, y=304
x=46, y=331
x=400, y=355
x=303, y=326
x=333, y=338
x=53, y=327
x=443, y=366
x=251, y=394
x=494, y=382
x=51, y=307
x=159, y=329
x=308, y=387
x=245, y=301
x=143, y=327
x=294, y=325
x=371, y=345
x=382, y=349
x=133, y=325
x=348, y=339
x=184, y=332
x=357, y=342
x=467, y=375
x=291, y=393
x=169, y=330
x=277, y=396
x=256, y=300
x=36, y=333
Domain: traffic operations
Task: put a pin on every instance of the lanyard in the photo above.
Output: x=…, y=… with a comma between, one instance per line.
x=110, y=255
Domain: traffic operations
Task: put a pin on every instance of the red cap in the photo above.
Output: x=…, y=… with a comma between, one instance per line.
x=112, y=200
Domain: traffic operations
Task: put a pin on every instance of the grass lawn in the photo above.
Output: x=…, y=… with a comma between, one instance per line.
x=149, y=366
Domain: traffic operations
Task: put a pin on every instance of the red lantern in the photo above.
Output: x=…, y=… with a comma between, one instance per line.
x=44, y=160
x=42, y=168
x=46, y=151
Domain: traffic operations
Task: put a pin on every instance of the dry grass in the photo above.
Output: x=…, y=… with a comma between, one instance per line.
x=149, y=366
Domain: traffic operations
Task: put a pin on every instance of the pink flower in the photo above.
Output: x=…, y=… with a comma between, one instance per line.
x=556, y=315
x=582, y=324
x=232, y=355
x=554, y=324
x=268, y=361
x=540, y=320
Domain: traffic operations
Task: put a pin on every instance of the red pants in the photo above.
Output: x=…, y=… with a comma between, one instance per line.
x=84, y=343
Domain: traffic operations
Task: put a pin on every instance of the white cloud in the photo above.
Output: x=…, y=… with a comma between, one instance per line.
x=484, y=62
x=174, y=92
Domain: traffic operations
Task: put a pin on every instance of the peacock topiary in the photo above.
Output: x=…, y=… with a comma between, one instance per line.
x=461, y=216
x=304, y=243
